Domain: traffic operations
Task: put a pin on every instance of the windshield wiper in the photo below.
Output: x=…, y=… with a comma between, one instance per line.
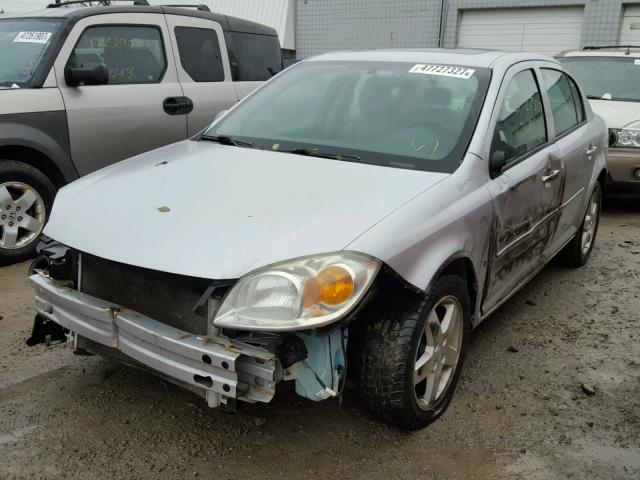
x=315, y=152
x=226, y=140
x=596, y=97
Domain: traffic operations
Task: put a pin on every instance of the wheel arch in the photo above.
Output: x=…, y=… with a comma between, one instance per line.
x=461, y=265
x=31, y=141
x=35, y=158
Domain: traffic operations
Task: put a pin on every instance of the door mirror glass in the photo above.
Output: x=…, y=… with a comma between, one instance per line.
x=94, y=75
x=497, y=161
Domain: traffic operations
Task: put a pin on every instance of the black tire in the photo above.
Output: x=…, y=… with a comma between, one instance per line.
x=573, y=254
x=13, y=171
x=388, y=356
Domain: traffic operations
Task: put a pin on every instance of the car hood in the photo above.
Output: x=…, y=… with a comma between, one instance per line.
x=616, y=114
x=214, y=211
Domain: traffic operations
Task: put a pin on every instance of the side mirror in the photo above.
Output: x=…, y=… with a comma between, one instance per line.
x=497, y=161
x=94, y=75
x=219, y=115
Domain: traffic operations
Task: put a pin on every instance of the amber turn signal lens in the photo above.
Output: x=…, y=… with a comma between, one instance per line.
x=332, y=286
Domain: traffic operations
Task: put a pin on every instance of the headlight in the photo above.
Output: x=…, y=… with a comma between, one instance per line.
x=298, y=294
x=628, y=136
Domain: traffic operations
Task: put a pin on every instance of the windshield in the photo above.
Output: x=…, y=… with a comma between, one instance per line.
x=23, y=43
x=392, y=114
x=607, y=78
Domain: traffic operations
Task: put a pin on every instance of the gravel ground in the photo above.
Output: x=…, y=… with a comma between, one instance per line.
x=550, y=390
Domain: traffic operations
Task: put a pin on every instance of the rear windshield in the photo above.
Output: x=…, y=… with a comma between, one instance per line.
x=23, y=44
x=607, y=78
x=253, y=57
x=393, y=114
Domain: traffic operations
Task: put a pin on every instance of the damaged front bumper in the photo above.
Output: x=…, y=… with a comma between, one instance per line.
x=221, y=367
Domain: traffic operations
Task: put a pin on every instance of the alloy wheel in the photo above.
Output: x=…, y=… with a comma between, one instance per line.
x=438, y=352
x=590, y=222
x=22, y=215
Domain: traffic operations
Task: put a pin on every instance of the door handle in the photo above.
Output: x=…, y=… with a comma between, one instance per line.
x=550, y=176
x=592, y=149
x=177, y=105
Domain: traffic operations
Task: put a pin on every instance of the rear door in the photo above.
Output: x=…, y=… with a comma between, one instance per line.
x=203, y=68
x=108, y=123
x=577, y=145
x=528, y=191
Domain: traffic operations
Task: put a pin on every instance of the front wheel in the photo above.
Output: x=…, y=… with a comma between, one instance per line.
x=411, y=363
x=578, y=251
x=26, y=196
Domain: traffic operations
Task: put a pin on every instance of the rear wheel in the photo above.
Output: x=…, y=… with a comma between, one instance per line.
x=411, y=363
x=26, y=196
x=578, y=251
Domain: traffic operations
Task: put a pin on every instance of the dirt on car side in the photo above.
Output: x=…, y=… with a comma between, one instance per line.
x=550, y=390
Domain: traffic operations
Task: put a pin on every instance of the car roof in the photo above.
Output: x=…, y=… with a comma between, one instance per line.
x=621, y=51
x=76, y=13
x=456, y=56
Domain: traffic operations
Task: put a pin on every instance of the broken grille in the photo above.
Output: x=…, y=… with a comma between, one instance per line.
x=165, y=297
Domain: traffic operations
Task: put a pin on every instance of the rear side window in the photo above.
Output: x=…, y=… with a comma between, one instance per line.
x=200, y=56
x=132, y=54
x=566, y=106
x=253, y=57
x=521, y=127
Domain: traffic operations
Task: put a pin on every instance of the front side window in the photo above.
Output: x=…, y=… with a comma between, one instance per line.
x=200, y=56
x=520, y=127
x=606, y=78
x=132, y=54
x=565, y=109
x=253, y=57
x=392, y=114
x=23, y=44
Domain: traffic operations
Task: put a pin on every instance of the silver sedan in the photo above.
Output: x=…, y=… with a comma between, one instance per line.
x=357, y=215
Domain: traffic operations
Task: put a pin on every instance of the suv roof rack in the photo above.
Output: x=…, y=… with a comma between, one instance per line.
x=88, y=3
x=202, y=7
x=604, y=47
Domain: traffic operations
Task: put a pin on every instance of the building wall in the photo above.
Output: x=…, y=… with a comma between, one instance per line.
x=326, y=25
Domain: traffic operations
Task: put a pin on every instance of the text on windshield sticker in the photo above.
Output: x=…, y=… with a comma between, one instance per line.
x=443, y=70
x=32, y=37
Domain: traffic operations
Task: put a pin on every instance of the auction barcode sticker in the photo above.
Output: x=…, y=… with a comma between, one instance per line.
x=32, y=37
x=443, y=70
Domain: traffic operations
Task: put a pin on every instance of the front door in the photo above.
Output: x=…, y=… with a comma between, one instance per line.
x=203, y=70
x=129, y=115
x=527, y=193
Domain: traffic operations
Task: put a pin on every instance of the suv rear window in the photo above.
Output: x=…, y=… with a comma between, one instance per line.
x=200, y=53
x=253, y=57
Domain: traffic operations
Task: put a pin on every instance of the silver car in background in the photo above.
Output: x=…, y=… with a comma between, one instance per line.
x=357, y=215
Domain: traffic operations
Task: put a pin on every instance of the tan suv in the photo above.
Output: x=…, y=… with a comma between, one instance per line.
x=81, y=88
x=610, y=77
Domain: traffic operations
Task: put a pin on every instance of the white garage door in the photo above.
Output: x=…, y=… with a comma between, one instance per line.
x=630, y=30
x=543, y=30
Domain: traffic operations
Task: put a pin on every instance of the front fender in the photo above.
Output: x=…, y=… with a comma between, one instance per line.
x=45, y=132
x=446, y=222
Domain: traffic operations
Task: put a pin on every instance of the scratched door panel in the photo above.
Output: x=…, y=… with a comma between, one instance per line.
x=526, y=219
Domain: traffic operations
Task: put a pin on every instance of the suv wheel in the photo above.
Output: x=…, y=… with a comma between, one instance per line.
x=411, y=363
x=26, y=196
